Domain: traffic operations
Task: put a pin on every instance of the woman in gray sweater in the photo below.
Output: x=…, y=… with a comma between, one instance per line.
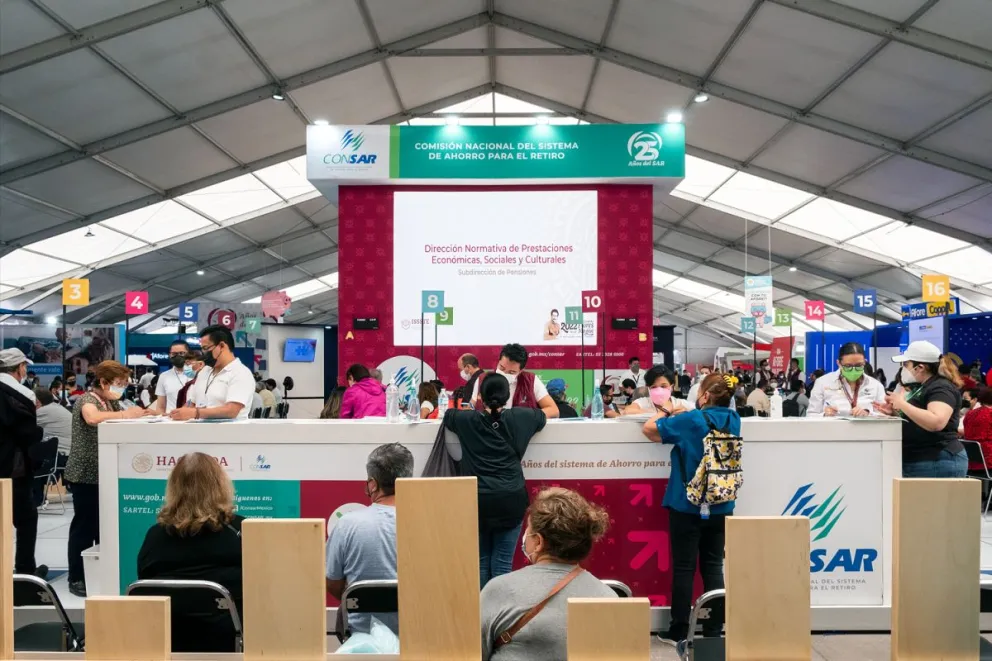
x=562, y=527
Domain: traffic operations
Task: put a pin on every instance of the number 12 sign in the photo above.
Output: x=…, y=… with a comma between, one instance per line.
x=135, y=302
x=815, y=310
x=592, y=300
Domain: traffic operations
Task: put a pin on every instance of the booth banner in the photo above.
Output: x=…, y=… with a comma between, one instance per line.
x=781, y=354
x=758, y=299
x=926, y=310
x=86, y=346
x=541, y=152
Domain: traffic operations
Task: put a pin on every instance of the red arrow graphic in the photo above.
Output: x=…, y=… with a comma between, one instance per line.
x=655, y=544
x=642, y=492
x=599, y=490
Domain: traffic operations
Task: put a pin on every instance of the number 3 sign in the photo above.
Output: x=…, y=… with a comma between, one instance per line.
x=135, y=302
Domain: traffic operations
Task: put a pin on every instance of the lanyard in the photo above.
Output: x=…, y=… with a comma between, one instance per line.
x=851, y=398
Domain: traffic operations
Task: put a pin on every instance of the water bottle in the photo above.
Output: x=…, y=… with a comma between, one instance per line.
x=596, y=410
x=442, y=404
x=776, y=402
x=392, y=401
x=412, y=407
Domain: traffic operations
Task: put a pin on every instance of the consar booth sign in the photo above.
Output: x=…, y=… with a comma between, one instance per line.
x=406, y=154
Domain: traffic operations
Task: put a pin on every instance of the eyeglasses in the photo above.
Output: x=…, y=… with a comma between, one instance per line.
x=179, y=354
x=851, y=367
x=207, y=349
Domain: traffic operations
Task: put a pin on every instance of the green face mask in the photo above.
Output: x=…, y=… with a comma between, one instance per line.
x=852, y=374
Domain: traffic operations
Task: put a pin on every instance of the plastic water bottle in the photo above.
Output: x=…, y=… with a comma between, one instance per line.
x=596, y=410
x=392, y=401
x=442, y=404
x=776, y=402
x=412, y=407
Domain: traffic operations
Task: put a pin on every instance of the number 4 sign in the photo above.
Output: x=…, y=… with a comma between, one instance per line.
x=135, y=302
x=815, y=310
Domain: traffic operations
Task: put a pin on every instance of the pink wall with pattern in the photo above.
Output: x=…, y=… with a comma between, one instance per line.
x=365, y=236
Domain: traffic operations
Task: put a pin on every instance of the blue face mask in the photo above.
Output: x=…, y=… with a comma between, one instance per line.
x=188, y=372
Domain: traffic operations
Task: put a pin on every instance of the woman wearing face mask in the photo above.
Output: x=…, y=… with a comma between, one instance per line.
x=172, y=381
x=493, y=442
x=930, y=405
x=194, y=363
x=530, y=605
x=848, y=391
x=660, y=381
x=102, y=403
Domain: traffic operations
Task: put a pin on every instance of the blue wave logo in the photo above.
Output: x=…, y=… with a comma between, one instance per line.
x=823, y=517
x=407, y=380
x=352, y=140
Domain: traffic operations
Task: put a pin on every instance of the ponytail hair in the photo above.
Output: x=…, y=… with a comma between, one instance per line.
x=495, y=393
x=947, y=369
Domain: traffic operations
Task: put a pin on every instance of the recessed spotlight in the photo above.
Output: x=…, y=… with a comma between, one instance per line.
x=309, y=311
x=451, y=120
x=278, y=96
x=51, y=321
x=320, y=122
x=701, y=98
x=543, y=120
x=200, y=272
x=792, y=269
x=674, y=117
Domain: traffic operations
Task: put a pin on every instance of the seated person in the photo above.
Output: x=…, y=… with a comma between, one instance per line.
x=557, y=388
x=526, y=388
x=197, y=537
x=660, y=382
x=562, y=527
x=610, y=409
x=759, y=399
x=797, y=393
x=627, y=389
x=362, y=544
x=427, y=394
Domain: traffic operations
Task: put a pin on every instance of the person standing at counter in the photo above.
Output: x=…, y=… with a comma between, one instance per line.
x=493, y=443
x=634, y=372
x=694, y=538
x=930, y=404
x=172, y=381
x=224, y=387
x=848, y=391
x=365, y=397
x=102, y=403
x=526, y=388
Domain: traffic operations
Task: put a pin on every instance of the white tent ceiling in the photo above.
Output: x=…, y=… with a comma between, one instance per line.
x=844, y=144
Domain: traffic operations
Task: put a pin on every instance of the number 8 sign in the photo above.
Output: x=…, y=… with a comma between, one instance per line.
x=135, y=302
x=432, y=302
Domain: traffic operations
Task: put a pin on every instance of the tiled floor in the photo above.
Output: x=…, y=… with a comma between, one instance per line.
x=53, y=534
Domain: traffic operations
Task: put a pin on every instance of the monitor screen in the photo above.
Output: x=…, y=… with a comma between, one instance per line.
x=299, y=351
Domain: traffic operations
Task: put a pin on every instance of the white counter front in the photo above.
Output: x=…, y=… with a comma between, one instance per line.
x=837, y=472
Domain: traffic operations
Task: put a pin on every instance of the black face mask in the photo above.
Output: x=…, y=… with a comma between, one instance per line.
x=177, y=361
x=208, y=359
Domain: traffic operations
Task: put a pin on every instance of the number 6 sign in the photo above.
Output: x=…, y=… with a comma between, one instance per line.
x=135, y=302
x=592, y=300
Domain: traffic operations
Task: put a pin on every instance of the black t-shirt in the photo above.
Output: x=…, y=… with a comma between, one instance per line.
x=565, y=410
x=491, y=452
x=207, y=556
x=919, y=444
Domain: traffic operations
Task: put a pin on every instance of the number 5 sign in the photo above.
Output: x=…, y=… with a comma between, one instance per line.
x=936, y=288
x=592, y=301
x=815, y=310
x=135, y=302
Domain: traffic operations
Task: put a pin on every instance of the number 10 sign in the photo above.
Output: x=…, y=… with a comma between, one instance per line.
x=592, y=300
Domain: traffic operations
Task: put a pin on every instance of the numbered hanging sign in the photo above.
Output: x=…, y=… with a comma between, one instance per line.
x=75, y=291
x=592, y=301
x=936, y=288
x=446, y=317
x=573, y=315
x=135, y=302
x=748, y=325
x=432, y=302
x=253, y=325
x=783, y=317
x=865, y=301
x=189, y=311
x=816, y=310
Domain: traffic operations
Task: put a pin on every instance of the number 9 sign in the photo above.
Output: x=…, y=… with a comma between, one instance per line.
x=592, y=300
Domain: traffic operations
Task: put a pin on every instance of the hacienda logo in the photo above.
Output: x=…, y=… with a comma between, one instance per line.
x=349, y=156
x=645, y=148
x=822, y=518
x=352, y=140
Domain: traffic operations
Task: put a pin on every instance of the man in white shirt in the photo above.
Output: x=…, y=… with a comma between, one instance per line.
x=532, y=392
x=224, y=387
x=146, y=378
x=633, y=372
x=275, y=390
x=704, y=371
x=172, y=380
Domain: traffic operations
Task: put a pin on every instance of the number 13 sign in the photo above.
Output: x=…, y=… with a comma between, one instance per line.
x=135, y=302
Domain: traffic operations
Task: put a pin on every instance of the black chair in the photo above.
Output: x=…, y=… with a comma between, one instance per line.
x=256, y=413
x=622, y=590
x=282, y=410
x=976, y=456
x=746, y=411
x=45, y=456
x=366, y=597
x=708, y=605
x=198, y=623
x=61, y=636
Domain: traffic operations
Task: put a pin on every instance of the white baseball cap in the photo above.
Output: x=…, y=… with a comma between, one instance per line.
x=13, y=358
x=920, y=351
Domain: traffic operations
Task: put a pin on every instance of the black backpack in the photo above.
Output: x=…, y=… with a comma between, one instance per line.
x=790, y=408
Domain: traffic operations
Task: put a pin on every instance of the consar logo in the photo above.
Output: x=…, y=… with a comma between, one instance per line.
x=823, y=517
x=351, y=142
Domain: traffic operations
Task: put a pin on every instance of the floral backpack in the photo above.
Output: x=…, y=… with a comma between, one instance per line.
x=719, y=475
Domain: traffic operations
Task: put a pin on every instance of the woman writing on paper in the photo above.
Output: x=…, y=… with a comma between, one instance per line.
x=848, y=391
x=660, y=381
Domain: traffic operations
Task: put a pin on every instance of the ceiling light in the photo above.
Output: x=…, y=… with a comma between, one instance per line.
x=309, y=311
x=674, y=117
x=792, y=269
x=701, y=98
x=51, y=321
x=200, y=272
x=543, y=120
x=89, y=233
x=327, y=327
x=278, y=96
x=320, y=122
x=451, y=120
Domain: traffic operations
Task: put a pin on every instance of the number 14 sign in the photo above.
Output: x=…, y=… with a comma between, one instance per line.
x=815, y=310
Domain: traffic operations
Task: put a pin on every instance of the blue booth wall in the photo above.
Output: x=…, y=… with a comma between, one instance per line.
x=834, y=341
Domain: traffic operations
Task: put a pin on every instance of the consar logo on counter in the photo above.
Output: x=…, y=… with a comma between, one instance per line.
x=823, y=518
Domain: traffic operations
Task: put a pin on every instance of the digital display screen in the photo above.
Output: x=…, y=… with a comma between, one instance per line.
x=299, y=351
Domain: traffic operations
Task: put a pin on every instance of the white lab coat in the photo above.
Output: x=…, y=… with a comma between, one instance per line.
x=828, y=391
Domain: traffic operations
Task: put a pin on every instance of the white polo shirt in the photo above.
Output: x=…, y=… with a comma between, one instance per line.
x=540, y=391
x=169, y=385
x=834, y=391
x=234, y=383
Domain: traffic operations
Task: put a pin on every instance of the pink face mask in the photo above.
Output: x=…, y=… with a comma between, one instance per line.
x=660, y=396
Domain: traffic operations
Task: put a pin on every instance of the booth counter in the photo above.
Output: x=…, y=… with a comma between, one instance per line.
x=837, y=472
